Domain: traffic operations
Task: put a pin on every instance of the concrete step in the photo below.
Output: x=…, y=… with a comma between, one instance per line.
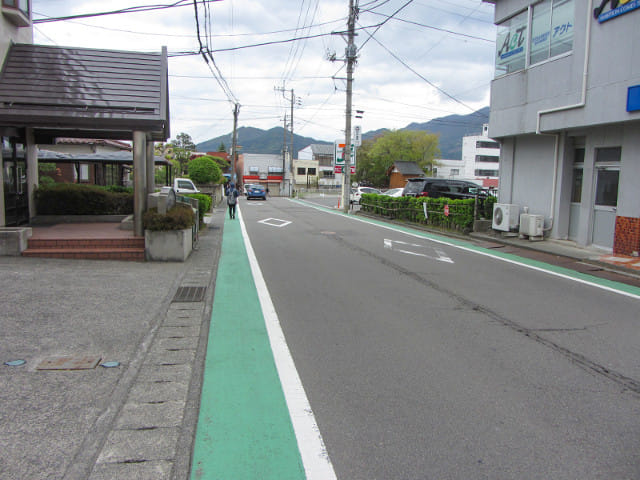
x=87, y=248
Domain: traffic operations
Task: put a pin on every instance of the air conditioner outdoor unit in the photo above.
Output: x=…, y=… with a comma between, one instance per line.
x=505, y=216
x=531, y=225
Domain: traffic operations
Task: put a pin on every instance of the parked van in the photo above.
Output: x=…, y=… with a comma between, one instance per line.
x=184, y=185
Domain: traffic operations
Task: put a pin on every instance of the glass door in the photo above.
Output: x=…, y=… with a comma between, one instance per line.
x=605, y=206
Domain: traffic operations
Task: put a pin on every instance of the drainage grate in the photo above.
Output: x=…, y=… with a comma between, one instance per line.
x=190, y=294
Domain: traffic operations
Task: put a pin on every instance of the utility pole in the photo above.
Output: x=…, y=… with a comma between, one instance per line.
x=234, y=143
x=291, y=151
x=284, y=152
x=350, y=55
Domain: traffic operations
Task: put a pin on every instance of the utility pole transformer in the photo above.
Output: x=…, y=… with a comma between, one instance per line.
x=350, y=55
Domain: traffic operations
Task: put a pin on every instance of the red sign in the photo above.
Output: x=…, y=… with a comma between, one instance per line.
x=446, y=210
x=338, y=169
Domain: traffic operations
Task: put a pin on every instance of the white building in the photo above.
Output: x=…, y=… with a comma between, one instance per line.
x=479, y=162
x=323, y=161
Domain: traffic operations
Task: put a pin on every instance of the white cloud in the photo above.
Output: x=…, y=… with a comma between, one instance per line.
x=390, y=94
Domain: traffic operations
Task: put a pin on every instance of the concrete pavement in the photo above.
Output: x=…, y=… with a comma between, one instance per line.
x=137, y=420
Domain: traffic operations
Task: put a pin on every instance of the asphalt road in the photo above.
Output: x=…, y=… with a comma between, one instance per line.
x=424, y=358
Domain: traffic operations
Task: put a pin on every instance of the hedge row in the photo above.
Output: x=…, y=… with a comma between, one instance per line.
x=442, y=212
x=74, y=199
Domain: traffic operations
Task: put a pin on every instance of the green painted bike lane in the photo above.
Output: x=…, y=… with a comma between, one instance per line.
x=244, y=428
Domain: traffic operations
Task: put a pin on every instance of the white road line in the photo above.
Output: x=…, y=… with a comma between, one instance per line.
x=316, y=461
x=475, y=251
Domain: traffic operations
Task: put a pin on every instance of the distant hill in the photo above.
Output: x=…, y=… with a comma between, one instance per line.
x=451, y=129
x=256, y=140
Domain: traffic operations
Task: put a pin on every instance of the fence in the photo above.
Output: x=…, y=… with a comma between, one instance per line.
x=446, y=213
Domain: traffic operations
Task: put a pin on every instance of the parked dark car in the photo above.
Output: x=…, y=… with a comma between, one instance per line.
x=442, y=187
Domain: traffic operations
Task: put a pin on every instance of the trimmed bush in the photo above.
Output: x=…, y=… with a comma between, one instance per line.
x=204, y=204
x=177, y=218
x=204, y=170
x=74, y=199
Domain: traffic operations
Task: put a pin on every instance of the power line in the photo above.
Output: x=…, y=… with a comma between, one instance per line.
x=438, y=29
x=210, y=61
x=381, y=24
x=136, y=9
x=419, y=75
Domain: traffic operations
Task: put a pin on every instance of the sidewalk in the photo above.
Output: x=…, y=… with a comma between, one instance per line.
x=134, y=420
x=625, y=265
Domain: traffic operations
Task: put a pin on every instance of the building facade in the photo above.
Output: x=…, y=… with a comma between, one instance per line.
x=565, y=106
x=15, y=27
x=479, y=163
x=268, y=170
x=323, y=156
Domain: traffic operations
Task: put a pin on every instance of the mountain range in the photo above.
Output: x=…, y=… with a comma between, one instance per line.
x=450, y=129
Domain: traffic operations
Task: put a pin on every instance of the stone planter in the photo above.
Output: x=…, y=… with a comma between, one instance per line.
x=168, y=246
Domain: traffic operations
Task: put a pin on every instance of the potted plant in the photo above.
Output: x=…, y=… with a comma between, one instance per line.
x=169, y=237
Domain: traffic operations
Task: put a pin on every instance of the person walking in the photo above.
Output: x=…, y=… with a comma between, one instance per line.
x=232, y=199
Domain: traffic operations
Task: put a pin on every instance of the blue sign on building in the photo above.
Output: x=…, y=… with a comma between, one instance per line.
x=633, y=98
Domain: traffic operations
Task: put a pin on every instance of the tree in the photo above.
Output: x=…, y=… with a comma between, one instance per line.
x=375, y=158
x=204, y=170
x=182, y=147
x=222, y=147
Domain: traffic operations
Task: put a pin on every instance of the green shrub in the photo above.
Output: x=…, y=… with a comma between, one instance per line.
x=74, y=199
x=204, y=170
x=177, y=218
x=204, y=204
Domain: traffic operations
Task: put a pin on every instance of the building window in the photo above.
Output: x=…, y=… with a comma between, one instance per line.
x=454, y=171
x=487, y=158
x=22, y=5
x=551, y=29
x=549, y=34
x=254, y=170
x=328, y=174
x=275, y=170
x=608, y=154
x=511, y=44
x=486, y=173
x=324, y=160
x=302, y=171
x=83, y=170
x=484, y=144
x=576, y=191
x=311, y=171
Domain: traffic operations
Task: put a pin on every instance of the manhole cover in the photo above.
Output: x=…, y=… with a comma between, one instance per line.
x=190, y=294
x=74, y=362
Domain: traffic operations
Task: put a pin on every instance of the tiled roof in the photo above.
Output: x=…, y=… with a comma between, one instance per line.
x=93, y=141
x=408, y=168
x=320, y=149
x=80, y=92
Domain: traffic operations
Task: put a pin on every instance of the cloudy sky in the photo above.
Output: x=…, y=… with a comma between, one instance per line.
x=431, y=59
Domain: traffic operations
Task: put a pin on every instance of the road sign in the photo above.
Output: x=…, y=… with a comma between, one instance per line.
x=338, y=169
x=446, y=210
x=338, y=153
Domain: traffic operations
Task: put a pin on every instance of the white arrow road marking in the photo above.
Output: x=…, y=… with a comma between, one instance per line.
x=392, y=245
x=275, y=222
